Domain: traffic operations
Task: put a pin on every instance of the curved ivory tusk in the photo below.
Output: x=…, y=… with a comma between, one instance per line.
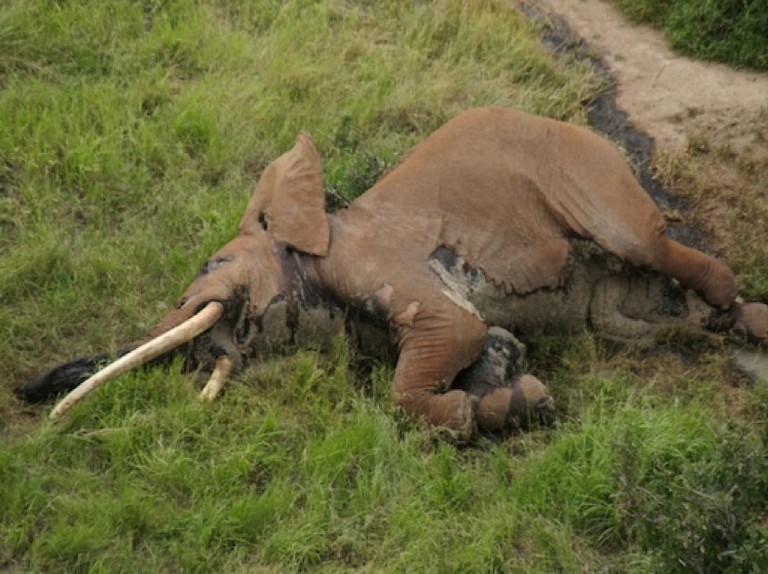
x=219, y=376
x=169, y=340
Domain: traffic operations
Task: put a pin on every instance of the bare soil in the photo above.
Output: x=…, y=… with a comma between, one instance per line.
x=666, y=95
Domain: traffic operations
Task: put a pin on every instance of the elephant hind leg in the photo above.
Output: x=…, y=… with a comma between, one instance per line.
x=439, y=342
x=711, y=278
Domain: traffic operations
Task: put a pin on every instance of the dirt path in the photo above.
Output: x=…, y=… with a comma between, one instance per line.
x=664, y=94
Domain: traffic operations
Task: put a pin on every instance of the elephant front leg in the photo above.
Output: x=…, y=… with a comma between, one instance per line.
x=504, y=396
x=455, y=373
x=435, y=344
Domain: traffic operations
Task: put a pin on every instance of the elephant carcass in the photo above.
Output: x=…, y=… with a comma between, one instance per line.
x=497, y=219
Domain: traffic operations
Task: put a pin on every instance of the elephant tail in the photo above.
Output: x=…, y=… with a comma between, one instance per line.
x=68, y=376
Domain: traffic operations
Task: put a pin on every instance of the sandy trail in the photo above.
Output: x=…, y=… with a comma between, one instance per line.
x=665, y=94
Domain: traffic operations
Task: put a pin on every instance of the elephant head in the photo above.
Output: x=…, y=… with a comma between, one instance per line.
x=285, y=215
x=213, y=320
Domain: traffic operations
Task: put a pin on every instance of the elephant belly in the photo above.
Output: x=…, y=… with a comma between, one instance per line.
x=564, y=309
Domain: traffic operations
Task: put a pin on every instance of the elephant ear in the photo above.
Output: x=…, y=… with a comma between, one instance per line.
x=289, y=201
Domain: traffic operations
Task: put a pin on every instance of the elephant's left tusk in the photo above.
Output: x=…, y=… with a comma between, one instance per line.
x=219, y=376
x=169, y=340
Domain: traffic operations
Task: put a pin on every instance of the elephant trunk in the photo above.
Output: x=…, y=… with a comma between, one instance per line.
x=155, y=347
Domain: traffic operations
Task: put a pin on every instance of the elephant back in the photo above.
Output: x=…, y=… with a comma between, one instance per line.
x=511, y=190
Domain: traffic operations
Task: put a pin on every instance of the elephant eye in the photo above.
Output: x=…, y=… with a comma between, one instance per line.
x=263, y=221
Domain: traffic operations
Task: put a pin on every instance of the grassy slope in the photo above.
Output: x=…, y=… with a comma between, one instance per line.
x=129, y=138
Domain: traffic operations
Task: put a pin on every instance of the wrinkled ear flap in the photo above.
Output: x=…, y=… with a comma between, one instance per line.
x=289, y=201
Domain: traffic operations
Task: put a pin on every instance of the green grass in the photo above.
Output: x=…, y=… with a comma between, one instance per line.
x=301, y=468
x=130, y=137
x=731, y=31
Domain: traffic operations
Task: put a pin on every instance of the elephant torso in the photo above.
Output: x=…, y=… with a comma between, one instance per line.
x=514, y=218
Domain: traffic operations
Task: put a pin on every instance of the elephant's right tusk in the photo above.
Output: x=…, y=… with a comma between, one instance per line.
x=219, y=376
x=169, y=340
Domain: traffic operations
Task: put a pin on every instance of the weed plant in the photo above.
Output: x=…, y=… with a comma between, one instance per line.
x=731, y=31
x=130, y=138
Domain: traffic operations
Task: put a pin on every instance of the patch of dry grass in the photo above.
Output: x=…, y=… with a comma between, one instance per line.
x=724, y=174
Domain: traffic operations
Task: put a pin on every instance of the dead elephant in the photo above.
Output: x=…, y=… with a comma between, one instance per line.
x=497, y=219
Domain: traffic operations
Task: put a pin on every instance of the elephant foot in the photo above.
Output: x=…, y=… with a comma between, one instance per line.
x=503, y=396
x=527, y=399
x=452, y=413
x=461, y=428
x=721, y=289
x=751, y=322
